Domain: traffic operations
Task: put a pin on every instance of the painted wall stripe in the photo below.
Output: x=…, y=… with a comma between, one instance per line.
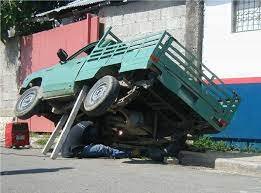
x=245, y=80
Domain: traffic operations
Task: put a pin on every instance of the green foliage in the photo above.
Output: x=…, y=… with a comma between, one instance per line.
x=205, y=143
x=43, y=140
x=19, y=14
x=249, y=149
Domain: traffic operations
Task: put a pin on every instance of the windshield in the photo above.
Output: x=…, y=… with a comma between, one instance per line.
x=83, y=52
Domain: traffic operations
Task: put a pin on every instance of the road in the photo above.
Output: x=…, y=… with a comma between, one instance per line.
x=27, y=171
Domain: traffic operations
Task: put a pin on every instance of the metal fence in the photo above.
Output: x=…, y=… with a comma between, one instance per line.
x=246, y=15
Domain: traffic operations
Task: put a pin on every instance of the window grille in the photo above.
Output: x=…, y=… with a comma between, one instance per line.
x=246, y=15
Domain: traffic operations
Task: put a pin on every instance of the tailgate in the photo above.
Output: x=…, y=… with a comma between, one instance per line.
x=195, y=77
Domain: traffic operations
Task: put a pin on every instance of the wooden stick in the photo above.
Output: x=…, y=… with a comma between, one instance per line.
x=55, y=133
x=69, y=123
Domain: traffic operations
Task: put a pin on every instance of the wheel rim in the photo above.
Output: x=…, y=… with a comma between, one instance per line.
x=27, y=100
x=98, y=94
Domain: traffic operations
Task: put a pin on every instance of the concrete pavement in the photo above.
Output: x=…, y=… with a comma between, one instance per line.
x=234, y=162
x=27, y=171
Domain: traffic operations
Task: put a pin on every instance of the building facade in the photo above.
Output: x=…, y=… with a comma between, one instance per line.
x=231, y=48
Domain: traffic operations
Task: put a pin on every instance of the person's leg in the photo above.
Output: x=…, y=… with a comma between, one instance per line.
x=100, y=150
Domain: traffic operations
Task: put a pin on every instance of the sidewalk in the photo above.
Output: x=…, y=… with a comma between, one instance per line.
x=241, y=163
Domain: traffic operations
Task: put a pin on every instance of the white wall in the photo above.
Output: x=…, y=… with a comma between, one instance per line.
x=9, y=64
x=229, y=55
x=9, y=61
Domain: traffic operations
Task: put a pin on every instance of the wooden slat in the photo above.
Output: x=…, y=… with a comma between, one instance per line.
x=55, y=133
x=69, y=123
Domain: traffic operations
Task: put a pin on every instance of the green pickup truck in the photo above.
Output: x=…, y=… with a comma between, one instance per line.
x=144, y=90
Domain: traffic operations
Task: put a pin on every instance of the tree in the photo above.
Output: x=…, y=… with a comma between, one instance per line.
x=18, y=15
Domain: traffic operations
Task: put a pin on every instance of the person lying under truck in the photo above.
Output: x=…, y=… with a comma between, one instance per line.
x=84, y=141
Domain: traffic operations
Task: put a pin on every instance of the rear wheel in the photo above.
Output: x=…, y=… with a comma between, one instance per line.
x=101, y=96
x=27, y=104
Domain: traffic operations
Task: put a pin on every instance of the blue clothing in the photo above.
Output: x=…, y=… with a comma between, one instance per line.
x=100, y=150
x=85, y=133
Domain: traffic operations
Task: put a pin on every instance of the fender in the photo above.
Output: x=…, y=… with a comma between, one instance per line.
x=30, y=78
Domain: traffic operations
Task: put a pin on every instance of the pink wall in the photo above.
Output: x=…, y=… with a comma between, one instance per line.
x=39, y=51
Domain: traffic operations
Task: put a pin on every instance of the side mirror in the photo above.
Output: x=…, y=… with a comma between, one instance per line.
x=62, y=55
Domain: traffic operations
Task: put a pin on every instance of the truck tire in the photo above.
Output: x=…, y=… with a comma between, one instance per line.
x=27, y=104
x=101, y=96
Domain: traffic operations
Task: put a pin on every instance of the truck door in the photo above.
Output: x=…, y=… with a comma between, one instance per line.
x=60, y=78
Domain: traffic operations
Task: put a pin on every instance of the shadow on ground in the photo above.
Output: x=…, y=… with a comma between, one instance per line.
x=141, y=161
x=33, y=171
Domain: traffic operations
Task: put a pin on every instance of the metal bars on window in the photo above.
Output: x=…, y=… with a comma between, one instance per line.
x=246, y=15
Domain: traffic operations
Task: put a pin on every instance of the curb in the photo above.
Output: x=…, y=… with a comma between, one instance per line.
x=241, y=163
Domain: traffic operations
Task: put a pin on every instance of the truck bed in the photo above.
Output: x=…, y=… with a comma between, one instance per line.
x=181, y=73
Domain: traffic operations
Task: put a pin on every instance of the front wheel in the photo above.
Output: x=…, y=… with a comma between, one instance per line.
x=27, y=104
x=101, y=96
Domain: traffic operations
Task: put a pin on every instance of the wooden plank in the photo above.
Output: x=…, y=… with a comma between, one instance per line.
x=69, y=123
x=55, y=133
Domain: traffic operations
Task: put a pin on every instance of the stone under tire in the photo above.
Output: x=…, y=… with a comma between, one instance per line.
x=27, y=104
x=101, y=96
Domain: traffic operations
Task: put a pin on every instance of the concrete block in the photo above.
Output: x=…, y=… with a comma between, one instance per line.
x=5, y=95
x=159, y=25
x=142, y=16
x=117, y=20
x=129, y=18
x=146, y=27
x=134, y=29
x=171, y=23
x=242, y=166
x=176, y=23
x=181, y=22
x=116, y=29
x=7, y=112
x=166, y=12
x=179, y=11
x=3, y=121
x=242, y=163
x=179, y=34
x=9, y=104
x=124, y=30
x=174, y=11
x=107, y=20
x=154, y=15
